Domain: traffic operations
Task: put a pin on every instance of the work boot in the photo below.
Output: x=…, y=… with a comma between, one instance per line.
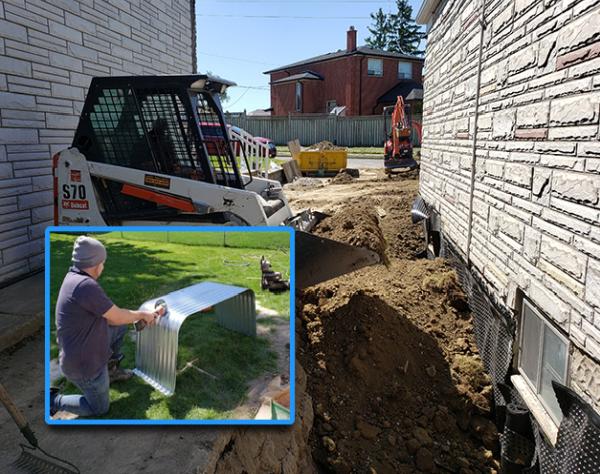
x=117, y=374
x=53, y=394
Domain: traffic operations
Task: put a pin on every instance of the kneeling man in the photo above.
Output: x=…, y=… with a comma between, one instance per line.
x=90, y=330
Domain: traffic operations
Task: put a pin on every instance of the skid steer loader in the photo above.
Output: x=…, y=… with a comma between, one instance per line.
x=154, y=150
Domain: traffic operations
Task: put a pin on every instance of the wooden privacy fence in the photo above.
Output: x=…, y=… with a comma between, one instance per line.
x=309, y=129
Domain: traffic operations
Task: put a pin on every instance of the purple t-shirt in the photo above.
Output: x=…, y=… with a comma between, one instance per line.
x=81, y=331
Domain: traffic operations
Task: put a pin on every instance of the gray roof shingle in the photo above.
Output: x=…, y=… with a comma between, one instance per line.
x=363, y=50
x=307, y=75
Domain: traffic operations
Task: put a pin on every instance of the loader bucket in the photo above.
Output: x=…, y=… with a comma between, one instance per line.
x=400, y=164
x=306, y=220
x=319, y=259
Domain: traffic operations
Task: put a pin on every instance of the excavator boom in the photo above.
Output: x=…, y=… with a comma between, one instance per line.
x=398, y=152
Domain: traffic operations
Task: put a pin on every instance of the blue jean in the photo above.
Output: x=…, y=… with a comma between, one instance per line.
x=117, y=334
x=95, y=400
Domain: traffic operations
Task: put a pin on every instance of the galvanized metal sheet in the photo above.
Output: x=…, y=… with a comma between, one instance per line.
x=157, y=346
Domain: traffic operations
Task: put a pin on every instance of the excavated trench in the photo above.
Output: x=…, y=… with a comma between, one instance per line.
x=389, y=375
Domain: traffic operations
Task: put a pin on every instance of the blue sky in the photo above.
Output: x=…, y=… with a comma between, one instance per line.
x=239, y=39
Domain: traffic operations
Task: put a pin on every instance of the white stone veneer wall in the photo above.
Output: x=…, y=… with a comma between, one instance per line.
x=49, y=51
x=536, y=212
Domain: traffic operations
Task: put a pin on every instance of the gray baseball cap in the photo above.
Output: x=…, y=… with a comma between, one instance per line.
x=88, y=252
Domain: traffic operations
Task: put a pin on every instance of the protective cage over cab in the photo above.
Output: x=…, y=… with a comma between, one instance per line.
x=168, y=125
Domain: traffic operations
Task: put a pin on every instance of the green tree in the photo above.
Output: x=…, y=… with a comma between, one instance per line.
x=380, y=30
x=395, y=32
x=405, y=35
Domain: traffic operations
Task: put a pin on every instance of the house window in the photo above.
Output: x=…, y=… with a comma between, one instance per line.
x=375, y=67
x=542, y=357
x=404, y=70
x=331, y=104
x=298, y=97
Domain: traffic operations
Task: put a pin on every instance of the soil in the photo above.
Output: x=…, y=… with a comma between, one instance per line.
x=356, y=224
x=272, y=449
x=323, y=146
x=392, y=366
x=342, y=178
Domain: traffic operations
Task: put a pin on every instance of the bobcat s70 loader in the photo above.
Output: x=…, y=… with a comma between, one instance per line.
x=155, y=150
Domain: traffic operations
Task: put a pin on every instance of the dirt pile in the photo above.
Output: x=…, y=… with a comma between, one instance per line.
x=395, y=196
x=324, y=146
x=356, y=224
x=343, y=177
x=304, y=183
x=270, y=449
x=389, y=351
x=393, y=372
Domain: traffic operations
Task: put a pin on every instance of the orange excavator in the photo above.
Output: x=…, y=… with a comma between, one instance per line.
x=398, y=149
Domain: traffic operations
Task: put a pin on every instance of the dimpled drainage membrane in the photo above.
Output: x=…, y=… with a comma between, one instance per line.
x=577, y=450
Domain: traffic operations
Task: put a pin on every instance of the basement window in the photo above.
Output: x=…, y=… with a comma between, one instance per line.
x=542, y=358
x=375, y=67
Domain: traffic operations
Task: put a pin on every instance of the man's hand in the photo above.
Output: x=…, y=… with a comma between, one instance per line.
x=117, y=316
x=150, y=317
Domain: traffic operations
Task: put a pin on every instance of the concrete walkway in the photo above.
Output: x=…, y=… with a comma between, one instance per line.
x=97, y=449
x=94, y=449
x=22, y=310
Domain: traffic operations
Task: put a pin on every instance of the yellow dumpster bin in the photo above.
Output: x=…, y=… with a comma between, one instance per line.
x=326, y=162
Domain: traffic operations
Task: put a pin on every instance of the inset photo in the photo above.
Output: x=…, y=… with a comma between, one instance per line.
x=160, y=325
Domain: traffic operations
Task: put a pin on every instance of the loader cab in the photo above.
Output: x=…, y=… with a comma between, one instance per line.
x=153, y=124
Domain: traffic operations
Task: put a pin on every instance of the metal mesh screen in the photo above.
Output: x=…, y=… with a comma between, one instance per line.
x=113, y=131
x=145, y=130
x=493, y=332
x=164, y=119
x=216, y=143
x=162, y=128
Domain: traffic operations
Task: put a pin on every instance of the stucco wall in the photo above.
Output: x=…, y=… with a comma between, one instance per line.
x=535, y=211
x=49, y=51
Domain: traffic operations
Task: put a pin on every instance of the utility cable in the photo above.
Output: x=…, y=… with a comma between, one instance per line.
x=238, y=99
x=281, y=2
x=278, y=17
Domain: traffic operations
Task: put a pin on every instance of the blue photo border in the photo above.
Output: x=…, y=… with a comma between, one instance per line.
x=241, y=422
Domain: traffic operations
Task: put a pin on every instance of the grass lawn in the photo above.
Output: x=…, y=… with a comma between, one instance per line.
x=136, y=271
x=265, y=240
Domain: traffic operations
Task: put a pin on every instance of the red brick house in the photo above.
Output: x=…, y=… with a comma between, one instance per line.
x=363, y=80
